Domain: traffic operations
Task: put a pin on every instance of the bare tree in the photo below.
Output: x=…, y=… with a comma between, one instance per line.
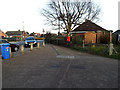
x=68, y=14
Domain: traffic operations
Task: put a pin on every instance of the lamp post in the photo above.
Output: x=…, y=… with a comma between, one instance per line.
x=43, y=34
x=68, y=21
x=22, y=32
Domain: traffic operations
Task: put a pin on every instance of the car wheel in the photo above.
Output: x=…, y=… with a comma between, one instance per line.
x=2, y=57
x=16, y=49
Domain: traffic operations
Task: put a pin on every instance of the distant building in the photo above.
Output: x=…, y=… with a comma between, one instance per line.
x=37, y=35
x=90, y=31
x=20, y=35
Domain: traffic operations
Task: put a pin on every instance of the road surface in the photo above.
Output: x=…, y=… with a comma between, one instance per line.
x=59, y=67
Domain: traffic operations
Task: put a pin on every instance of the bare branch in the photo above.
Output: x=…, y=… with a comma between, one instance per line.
x=70, y=14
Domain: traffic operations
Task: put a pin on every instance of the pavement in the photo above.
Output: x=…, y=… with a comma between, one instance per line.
x=59, y=67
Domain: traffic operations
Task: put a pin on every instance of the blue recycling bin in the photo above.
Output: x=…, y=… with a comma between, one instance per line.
x=5, y=51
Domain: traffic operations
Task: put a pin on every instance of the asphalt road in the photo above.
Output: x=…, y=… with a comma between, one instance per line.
x=25, y=49
x=59, y=67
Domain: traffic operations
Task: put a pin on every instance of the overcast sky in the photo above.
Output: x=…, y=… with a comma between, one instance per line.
x=14, y=12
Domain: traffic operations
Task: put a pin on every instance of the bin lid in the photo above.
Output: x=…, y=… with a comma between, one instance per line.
x=5, y=44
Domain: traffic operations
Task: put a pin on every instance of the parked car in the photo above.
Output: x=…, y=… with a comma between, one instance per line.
x=30, y=40
x=14, y=47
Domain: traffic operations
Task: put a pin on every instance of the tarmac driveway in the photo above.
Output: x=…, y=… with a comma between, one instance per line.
x=59, y=67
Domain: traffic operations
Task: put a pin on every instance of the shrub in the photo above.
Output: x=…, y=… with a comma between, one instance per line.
x=98, y=50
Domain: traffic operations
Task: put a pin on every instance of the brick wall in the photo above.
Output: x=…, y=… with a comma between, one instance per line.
x=89, y=36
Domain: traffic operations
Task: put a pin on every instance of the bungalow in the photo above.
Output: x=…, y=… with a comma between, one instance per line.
x=18, y=34
x=90, y=31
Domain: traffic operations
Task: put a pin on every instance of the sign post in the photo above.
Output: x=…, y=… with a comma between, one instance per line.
x=110, y=45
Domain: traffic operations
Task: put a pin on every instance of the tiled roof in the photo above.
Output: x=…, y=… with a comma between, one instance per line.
x=14, y=32
x=89, y=26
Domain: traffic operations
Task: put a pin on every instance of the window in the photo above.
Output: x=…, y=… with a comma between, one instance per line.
x=30, y=38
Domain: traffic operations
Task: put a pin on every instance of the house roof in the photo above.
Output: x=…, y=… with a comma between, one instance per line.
x=38, y=34
x=14, y=32
x=117, y=32
x=89, y=26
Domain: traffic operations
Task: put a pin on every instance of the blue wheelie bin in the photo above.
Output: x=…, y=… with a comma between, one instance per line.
x=5, y=51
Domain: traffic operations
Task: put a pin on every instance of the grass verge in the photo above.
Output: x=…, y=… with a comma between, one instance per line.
x=97, y=50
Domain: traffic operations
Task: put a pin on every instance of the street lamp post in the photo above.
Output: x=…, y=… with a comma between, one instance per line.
x=22, y=32
x=43, y=34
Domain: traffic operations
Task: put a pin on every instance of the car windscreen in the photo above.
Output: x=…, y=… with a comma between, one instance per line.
x=30, y=38
x=3, y=41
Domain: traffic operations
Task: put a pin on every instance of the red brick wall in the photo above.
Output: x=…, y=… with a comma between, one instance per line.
x=89, y=36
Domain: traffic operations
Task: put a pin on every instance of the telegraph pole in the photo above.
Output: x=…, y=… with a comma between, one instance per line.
x=68, y=17
x=58, y=16
x=59, y=26
x=68, y=28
